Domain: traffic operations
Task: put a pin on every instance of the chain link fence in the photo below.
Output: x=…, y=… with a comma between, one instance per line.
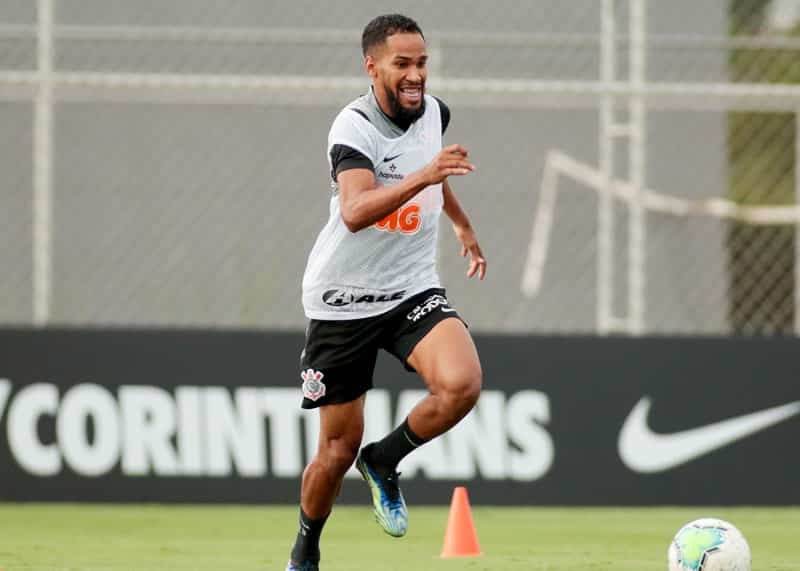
x=186, y=178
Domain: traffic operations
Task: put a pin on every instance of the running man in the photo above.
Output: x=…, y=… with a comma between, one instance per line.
x=371, y=283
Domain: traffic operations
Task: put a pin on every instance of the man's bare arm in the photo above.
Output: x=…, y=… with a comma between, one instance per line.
x=361, y=207
x=464, y=232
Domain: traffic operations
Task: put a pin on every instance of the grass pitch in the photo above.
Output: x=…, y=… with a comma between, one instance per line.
x=114, y=537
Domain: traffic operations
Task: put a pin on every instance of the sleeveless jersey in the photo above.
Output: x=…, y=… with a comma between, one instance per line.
x=366, y=273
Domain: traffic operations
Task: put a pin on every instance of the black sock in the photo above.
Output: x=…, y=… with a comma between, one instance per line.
x=385, y=454
x=306, y=546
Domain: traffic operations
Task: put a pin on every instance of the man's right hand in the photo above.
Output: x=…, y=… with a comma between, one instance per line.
x=451, y=160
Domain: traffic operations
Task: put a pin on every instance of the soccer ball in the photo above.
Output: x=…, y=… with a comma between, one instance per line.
x=709, y=544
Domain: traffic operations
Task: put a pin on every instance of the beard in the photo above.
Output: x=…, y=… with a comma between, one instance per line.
x=404, y=116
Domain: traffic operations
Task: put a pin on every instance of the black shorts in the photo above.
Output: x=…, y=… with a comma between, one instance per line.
x=339, y=357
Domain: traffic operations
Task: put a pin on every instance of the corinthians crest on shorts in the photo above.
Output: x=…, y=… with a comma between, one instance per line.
x=313, y=387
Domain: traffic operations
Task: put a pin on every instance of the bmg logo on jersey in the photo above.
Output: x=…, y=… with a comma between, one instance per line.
x=343, y=296
x=405, y=219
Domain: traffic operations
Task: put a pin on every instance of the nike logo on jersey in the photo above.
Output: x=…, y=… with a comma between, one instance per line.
x=645, y=451
x=393, y=157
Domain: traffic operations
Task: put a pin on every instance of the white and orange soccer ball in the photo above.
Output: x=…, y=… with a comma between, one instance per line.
x=709, y=544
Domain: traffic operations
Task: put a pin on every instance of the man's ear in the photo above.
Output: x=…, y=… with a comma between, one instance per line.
x=370, y=66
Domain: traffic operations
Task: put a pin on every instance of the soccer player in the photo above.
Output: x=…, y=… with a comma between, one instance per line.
x=371, y=282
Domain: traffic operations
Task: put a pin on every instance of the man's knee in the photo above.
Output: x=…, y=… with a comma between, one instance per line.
x=462, y=390
x=338, y=454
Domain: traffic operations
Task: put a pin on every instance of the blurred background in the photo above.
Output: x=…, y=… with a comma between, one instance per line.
x=164, y=162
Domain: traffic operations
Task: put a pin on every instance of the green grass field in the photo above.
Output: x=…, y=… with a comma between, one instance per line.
x=48, y=536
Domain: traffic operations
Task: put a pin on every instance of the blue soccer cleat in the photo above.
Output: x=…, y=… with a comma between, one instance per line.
x=387, y=499
x=304, y=566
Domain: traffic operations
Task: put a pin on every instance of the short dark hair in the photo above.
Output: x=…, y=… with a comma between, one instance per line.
x=380, y=28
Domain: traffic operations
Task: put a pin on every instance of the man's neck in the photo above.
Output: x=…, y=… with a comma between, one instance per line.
x=400, y=125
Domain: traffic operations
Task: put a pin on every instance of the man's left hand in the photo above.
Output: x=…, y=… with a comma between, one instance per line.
x=469, y=245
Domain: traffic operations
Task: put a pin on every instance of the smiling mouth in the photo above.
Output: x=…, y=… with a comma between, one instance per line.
x=411, y=94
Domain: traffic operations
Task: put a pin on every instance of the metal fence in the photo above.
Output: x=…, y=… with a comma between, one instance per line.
x=164, y=162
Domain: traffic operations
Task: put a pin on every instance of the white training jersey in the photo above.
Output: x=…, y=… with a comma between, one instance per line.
x=366, y=273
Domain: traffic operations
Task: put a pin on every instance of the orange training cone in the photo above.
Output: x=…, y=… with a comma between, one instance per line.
x=460, y=539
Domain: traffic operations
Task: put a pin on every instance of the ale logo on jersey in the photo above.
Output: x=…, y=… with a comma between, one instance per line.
x=340, y=297
x=405, y=219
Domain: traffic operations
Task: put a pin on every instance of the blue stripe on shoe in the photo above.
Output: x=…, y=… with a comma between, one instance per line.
x=387, y=499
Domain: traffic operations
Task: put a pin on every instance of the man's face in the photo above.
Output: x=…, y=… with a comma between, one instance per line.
x=398, y=71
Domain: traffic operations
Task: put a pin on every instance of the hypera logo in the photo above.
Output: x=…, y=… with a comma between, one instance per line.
x=392, y=175
x=341, y=297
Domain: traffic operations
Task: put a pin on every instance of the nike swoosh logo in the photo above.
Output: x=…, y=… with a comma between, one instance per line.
x=387, y=159
x=448, y=309
x=645, y=451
